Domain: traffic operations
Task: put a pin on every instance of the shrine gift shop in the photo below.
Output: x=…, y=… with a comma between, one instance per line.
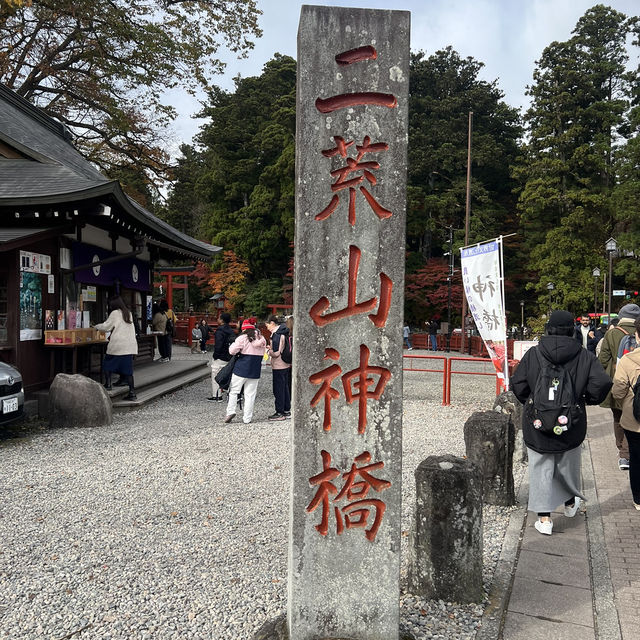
x=70, y=238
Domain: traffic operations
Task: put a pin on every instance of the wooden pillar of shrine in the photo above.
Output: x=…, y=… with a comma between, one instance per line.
x=346, y=494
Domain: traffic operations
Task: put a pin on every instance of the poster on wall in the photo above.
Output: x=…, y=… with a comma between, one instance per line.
x=30, y=306
x=49, y=320
x=35, y=262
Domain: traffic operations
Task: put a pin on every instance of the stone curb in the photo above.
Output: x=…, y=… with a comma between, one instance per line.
x=494, y=613
x=605, y=614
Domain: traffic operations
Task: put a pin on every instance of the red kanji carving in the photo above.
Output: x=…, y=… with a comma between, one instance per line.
x=326, y=391
x=356, y=513
x=344, y=100
x=353, y=308
x=353, y=165
x=328, y=375
x=357, y=55
x=362, y=382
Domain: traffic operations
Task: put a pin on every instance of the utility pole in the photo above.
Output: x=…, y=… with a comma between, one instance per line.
x=467, y=215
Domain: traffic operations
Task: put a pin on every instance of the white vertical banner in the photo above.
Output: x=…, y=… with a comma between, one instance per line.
x=483, y=281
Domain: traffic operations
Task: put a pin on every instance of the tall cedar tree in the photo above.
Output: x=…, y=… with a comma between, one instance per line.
x=238, y=188
x=102, y=67
x=444, y=88
x=580, y=102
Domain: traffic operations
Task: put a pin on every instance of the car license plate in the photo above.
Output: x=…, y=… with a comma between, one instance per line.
x=9, y=405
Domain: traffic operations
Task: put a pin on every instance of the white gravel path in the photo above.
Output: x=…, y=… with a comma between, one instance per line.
x=169, y=525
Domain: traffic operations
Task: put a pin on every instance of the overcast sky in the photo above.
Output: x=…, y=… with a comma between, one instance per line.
x=508, y=36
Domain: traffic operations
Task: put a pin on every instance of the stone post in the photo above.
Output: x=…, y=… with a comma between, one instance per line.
x=507, y=403
x=489, y=440
x=446, y=540
x=346, y=494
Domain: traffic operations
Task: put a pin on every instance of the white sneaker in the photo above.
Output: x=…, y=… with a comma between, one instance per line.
x=571, y=511
x=544, y=527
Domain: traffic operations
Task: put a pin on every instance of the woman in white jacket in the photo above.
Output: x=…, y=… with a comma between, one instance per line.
x=122, y=345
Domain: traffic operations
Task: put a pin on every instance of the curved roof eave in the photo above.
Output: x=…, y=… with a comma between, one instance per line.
x=136, y=211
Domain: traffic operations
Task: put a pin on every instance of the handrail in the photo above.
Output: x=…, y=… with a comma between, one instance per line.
x=468, y=373
x=444, y=371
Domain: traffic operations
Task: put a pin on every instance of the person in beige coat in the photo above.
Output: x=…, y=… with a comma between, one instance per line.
x=122, y=345
x=627, y=374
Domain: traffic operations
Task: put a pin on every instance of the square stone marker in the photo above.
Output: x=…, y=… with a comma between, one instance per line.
x=351, y=158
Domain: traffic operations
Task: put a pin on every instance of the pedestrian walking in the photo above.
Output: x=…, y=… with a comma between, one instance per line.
x=557, y=372
x=196, y=336
x=159, y=325
x=223, y=339
x=626, y=376
x=433, y=334
x=204, y=335
x=280, y=368
x=170, y=327
x=608, y=357
x=250, y=344
x=122, y=345
x=406, y=332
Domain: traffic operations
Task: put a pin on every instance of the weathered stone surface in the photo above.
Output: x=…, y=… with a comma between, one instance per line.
x=277, y=630
x=507, y=403
x=344, y=558
x=489, y=441
x=78, y=401
x=446, y=539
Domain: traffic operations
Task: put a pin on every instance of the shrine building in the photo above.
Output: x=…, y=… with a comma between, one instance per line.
x=69, y=239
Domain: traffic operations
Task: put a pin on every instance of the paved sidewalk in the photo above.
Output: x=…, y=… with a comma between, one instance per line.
x=582, y=582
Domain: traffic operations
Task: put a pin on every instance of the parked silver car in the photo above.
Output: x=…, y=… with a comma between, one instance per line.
x=11, y=393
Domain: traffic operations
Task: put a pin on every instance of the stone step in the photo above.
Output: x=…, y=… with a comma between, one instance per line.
x=150, y=392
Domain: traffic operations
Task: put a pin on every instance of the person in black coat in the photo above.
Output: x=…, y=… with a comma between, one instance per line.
x=204, y=335
x=586, y=335
x=224, y=336
x=554, y=459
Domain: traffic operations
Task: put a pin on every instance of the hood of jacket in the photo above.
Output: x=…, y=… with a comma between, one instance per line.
x=559, y=349
x=282, y=330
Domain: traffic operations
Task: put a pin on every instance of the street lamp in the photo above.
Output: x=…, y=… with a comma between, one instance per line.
x=521, y=319
x=550, y=288
x=596, y=274
x=611, y=247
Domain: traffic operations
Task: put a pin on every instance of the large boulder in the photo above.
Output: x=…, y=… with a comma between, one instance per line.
x=78, y=401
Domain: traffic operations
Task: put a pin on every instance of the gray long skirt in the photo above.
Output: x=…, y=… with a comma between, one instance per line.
x=554, y=478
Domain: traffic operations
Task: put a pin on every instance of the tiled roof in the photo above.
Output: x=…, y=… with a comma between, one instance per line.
x=53, y=171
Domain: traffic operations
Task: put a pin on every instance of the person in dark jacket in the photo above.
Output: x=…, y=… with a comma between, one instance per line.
x=281, y=369
x=585, y=334
x=224, y=336
x=250, y=344
x=554, y=460
x=204, y=335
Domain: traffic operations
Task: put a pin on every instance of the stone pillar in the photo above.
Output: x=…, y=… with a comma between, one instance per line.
x=507, y=403
x=489, y=441
x=351, y=146
x=446, y=539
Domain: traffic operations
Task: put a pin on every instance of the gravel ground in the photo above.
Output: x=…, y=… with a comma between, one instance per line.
x=163, y=526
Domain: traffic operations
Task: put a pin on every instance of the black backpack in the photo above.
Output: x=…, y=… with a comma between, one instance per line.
x=636, y=400
x=169, y=326
x=552, y=407
x=286, y=349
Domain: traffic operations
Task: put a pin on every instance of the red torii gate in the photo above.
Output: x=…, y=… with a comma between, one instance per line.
x=167, y=274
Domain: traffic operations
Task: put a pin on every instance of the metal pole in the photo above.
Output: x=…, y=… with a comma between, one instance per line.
x=449, y=282
x=467, y=216
x=610, y=278
x=595, y=300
